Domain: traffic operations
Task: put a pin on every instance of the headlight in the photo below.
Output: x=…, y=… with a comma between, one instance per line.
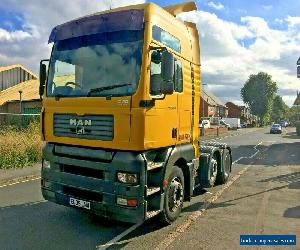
x=130, y=178
x=45, y=164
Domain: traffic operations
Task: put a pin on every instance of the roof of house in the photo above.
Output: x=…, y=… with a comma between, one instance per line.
x=4, y=68
x=297, y=101
x=30, y=91
x=210, y=98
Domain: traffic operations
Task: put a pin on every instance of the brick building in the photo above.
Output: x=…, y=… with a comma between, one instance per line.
x=211, y=106
x=234, y=111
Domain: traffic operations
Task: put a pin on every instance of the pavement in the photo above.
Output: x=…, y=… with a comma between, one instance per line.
x=261, y=197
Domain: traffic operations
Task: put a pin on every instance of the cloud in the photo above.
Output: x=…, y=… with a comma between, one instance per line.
x=227, y=63
x=217, y=6
x=293, y=21
x=14, y=36
x=29, y=45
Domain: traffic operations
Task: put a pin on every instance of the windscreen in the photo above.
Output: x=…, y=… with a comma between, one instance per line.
x=106, y=64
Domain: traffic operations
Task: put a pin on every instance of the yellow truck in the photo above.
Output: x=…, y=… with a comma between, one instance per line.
x=120, y=115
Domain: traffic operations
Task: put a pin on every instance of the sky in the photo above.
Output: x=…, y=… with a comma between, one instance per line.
x=238, y=38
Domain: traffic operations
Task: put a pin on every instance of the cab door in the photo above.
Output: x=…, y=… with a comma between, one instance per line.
x=161, y=121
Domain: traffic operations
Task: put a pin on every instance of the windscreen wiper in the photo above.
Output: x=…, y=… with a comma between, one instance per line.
x=100, y=89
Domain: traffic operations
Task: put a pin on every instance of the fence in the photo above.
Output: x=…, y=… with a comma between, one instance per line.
x=17, y=120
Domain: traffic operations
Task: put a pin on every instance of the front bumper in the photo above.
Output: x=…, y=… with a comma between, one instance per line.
x=84, y=176
x=275, y=131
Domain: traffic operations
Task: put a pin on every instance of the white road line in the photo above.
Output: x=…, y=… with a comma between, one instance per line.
x=20, y=180
x=118, y=237
x=249, y=157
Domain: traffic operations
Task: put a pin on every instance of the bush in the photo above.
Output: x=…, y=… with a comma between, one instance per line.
x=20, y=147
x=297, y=125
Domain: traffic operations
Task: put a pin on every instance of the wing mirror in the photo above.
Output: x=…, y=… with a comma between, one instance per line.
x=167, y=72
x=43, y=77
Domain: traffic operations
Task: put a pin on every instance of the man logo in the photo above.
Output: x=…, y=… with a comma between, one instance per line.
x=79, y=123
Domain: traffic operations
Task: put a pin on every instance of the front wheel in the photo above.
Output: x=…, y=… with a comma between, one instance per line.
x=174, y=195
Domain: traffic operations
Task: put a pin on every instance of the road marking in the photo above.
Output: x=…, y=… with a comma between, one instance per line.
x=118, y=237
x=20, y=180
x=248, y=157
x=172, y=236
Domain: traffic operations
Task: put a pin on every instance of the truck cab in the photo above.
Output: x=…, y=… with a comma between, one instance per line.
x=120, y=114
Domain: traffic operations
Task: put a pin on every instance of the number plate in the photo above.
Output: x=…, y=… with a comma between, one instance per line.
x=79, y=203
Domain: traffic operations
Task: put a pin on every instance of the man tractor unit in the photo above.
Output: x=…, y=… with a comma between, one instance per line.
x=120, y=115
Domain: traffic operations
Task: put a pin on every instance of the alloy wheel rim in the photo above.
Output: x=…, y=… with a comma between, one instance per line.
x=175, y=194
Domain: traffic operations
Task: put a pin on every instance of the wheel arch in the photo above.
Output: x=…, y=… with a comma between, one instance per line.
x=182, y=164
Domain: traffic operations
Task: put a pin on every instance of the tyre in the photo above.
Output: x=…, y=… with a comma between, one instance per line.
x=208, y=173
x=223, y=176
x=174, y=195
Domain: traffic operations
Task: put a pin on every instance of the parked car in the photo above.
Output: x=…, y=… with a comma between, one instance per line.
x=284, y=124
x=244, y=125
x=204, y=124
x=276, y=129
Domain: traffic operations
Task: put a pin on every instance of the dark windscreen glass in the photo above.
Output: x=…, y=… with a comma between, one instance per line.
x=106, y=64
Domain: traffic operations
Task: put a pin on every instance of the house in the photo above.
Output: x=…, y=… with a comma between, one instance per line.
x=211, y=106
x=297, y=100
x=242, y=112
x=234, y=111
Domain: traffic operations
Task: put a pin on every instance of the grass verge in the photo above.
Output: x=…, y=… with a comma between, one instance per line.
x=20, y=147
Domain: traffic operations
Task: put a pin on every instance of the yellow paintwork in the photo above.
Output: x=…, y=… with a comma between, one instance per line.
x=137, y=128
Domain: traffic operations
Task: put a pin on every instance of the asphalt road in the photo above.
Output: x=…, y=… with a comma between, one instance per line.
x=262, y=197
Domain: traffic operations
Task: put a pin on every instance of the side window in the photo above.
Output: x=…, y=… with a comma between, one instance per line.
x=166, y=38
x=178, y=82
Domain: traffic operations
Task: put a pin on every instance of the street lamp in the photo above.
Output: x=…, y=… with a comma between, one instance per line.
x=20, y=92
x=298, y=68
x=203, y=84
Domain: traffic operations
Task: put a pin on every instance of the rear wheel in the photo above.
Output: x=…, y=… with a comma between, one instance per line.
x=208, y=173
x=223, y=175
x=174, y=195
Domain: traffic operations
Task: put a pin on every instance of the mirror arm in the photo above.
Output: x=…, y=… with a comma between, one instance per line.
x=159, y=98
x=157, y=48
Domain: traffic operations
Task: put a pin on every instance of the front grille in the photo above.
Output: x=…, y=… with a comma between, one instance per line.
x=95, y=127
x=83, y=194
x=88, y=172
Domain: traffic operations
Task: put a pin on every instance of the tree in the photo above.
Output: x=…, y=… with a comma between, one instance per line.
x=259, y=92
x=279, y=109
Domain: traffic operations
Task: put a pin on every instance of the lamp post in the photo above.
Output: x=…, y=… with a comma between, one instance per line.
x=20, y=92
x=203, y=84
x=298, y=68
